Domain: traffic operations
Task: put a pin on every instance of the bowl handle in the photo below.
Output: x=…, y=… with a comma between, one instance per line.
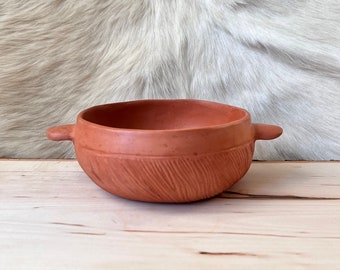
x=60, y=133
x=266, y=132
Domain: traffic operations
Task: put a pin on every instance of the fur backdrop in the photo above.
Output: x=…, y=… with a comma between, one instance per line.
x=280, y=60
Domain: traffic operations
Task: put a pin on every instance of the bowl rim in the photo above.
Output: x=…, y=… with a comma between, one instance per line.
x=245, y=117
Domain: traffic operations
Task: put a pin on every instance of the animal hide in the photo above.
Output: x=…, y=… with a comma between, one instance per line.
x=280, y=60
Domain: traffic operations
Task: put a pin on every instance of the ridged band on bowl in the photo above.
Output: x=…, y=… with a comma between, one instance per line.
x=167, y=179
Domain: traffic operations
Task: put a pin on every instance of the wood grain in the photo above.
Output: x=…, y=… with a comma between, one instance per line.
x=282, y=215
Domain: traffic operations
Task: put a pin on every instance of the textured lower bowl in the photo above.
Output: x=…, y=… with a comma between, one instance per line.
x=167, y=179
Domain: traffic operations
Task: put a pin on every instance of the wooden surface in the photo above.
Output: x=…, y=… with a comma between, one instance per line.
x=282, y=215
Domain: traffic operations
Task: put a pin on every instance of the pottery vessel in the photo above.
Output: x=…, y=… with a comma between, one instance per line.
x=164, y=150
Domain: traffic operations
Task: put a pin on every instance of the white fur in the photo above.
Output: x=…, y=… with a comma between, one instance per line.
x=278, y=59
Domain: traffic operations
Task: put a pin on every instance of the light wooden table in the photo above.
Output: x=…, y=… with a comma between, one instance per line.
x=282, y=215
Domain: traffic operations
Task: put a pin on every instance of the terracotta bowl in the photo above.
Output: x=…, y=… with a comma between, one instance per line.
x=164, y=150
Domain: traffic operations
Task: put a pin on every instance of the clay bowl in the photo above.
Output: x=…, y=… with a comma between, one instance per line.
x=164, y=150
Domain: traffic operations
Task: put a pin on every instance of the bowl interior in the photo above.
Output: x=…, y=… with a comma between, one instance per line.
x=163, y=114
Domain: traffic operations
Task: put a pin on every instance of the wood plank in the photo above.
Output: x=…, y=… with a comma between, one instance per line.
x=299, y=179
x=282, y=215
